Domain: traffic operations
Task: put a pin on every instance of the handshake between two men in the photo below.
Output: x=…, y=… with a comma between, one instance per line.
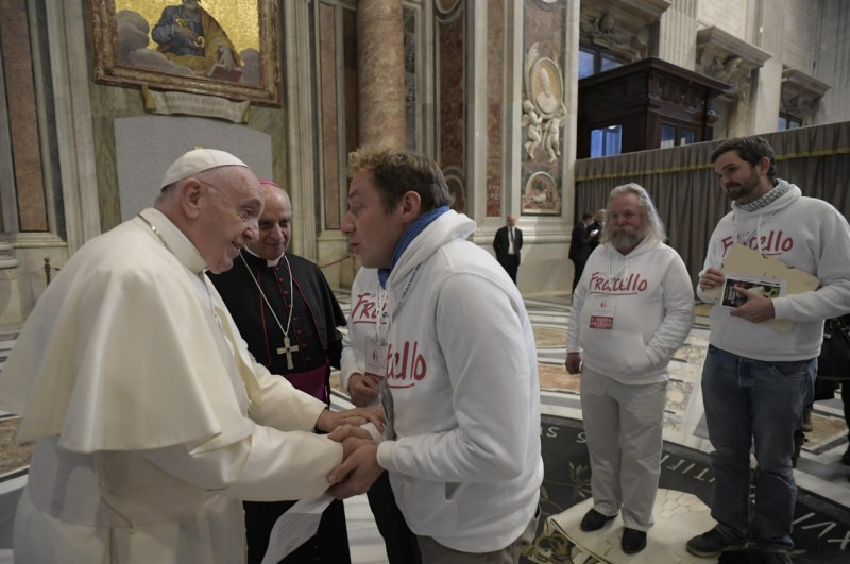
x=359, y=467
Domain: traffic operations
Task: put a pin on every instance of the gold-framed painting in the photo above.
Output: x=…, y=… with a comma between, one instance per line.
x=216, y=47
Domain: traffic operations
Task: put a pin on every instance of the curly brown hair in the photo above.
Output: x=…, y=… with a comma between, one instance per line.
x=751, y=149
x=397, y=172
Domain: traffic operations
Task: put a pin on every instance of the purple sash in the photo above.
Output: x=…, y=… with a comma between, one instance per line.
x=313, y=382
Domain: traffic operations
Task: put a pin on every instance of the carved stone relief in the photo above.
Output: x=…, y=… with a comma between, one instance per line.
x=543, y=108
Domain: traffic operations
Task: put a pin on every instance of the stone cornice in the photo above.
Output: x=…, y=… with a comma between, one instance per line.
x=620, y=26
x=800, y=91
x=730, y=59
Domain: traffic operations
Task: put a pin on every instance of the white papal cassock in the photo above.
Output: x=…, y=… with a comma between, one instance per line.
x=151, y=419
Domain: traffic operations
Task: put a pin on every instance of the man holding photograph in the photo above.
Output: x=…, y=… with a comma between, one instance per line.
x=756, y=379
x=733, y=296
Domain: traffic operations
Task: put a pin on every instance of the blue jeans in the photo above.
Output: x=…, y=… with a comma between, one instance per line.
x=756, y=402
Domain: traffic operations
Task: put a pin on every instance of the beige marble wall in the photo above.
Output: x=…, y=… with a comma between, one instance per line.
x=764, y=104
x=802, y=20
x=833, y=66
x=50, y=188
x=677, y=30
x=728, y=15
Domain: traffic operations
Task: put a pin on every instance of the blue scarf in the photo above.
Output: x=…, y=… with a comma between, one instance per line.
x=412, y=232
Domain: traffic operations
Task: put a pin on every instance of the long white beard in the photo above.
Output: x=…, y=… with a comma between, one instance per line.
x=623, y=240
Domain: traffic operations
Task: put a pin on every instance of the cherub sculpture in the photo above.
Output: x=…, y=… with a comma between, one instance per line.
x=552, y=136
x=534, y=124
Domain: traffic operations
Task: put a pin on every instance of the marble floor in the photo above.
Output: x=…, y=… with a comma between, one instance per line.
x=819, y=469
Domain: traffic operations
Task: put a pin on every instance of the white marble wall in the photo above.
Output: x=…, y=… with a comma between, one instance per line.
x=832, y=66
x=802, y=20
x=766, y=97
x=677, y=29
x=728, y=15
x=147, y=145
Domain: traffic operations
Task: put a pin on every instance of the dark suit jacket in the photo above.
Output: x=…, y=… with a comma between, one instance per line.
x=582, y=244
x=595, y=242
x=501, y=243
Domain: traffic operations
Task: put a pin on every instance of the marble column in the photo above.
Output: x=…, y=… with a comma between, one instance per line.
x=380, y=53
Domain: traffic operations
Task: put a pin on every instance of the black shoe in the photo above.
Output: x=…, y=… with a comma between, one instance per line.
x=594, y=520
x=710, y=544
x=807, y=420
x=633, y=540
x=776, y=558
x=846, y=457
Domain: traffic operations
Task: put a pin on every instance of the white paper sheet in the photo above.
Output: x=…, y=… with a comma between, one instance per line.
x=295, y=527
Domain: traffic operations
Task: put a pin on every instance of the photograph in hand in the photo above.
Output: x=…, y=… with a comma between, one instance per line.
x=767, y=287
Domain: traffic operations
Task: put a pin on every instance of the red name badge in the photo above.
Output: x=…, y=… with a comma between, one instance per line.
x=599, y=322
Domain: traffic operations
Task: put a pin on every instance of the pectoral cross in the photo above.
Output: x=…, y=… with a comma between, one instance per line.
x=288, y=349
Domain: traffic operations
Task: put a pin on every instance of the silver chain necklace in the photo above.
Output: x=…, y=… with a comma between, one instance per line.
x=287, y=348
x=168, y=248
x=156, y=232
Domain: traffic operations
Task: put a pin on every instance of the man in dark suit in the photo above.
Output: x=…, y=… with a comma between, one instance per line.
x=599, y=224
x=584, y=240
x=508, y=243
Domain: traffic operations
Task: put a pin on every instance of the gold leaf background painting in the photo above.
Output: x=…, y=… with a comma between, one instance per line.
x=239, y=20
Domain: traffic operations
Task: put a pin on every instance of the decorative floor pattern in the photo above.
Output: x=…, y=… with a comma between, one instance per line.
x=822, y=533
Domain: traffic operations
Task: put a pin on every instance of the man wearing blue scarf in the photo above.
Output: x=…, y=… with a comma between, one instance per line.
x=460, y=369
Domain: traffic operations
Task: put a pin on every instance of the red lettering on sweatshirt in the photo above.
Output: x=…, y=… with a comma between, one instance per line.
x=631, y=284
x=405, y=368
x=773, y=243
x=364, y=308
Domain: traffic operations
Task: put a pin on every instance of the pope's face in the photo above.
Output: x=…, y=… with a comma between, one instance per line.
x=372, y=231
x=275, y=225
x=231, y=206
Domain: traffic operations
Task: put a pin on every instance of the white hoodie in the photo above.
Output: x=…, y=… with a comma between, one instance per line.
x=361, y=325
x=650, y=298
x=802, y=232
x=466, y=466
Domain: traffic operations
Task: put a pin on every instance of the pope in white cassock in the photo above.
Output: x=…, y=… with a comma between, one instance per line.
x=151, y=420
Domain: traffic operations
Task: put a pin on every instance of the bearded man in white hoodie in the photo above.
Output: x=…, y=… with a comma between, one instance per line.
x=632, y=309
x=756, y=379
x=460, y=366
